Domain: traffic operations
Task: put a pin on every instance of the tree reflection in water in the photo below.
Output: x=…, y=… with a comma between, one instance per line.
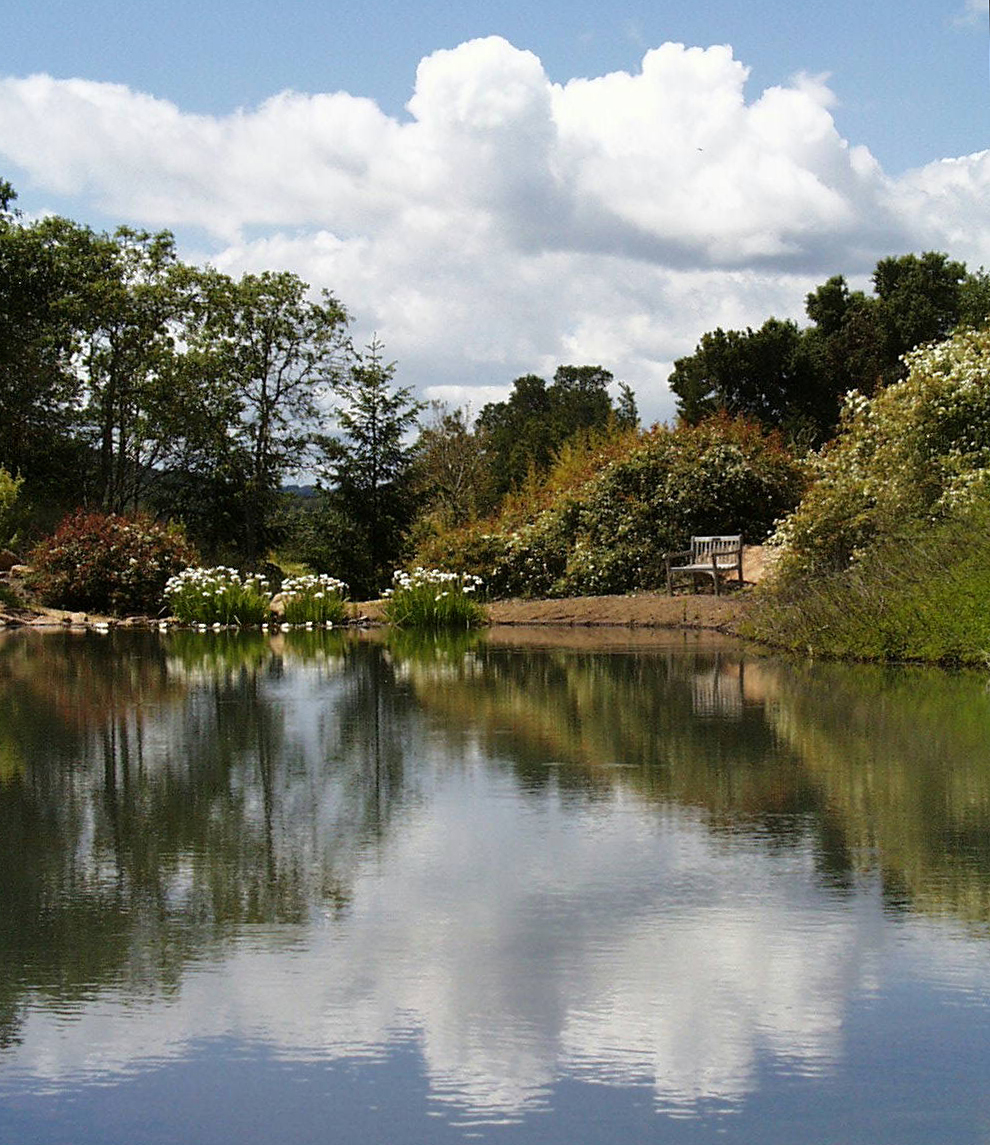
x=512, y=824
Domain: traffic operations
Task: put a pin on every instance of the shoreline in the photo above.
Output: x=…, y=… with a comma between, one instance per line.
x=644, y=609
x=639, y=610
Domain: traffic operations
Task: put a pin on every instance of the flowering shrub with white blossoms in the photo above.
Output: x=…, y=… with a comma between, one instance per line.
x=314, y=599
x=218, y=596
x=609, y=534
x=915, y=453
x=432, y=598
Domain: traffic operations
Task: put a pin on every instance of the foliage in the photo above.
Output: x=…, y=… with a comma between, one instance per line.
x=607, y=530
x=321, y=537
x=795, y=379
x=432, y=598
x=918, y=299
x=266, y=358
x=767, y=374
x=37, y=390
x=886, y=555
x=103, y=562
x=130, y=379
x=218, y=596
x=10, y=487
x=368, y=467
x=920, y=594
x=126, y=311
x=314, y=599
x=451, y=477
x=917, y=451
x=523, y=433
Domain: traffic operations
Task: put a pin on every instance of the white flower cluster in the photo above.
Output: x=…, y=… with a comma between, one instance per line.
x=436, y=579
x=214, y=582
x=914, y=452
x=315, y=584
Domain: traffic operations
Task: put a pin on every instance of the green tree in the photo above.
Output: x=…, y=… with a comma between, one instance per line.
x=451, y=478
x=626, y=412
x=919, y=297
x=267, y=358
x=974, y=299
x=368, y=468
x=128, y=312
x=40, y=394
x=524, y=432
x=795, y=379
x=768, y=375
x=88, y=329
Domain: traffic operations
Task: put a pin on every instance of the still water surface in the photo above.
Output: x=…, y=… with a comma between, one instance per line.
x=322, y=888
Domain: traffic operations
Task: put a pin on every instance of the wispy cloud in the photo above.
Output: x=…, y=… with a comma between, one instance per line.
x=974, y=12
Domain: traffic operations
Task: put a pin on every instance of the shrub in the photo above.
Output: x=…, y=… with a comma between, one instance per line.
x=722, y=476
x=917, y=451
x=872, y=563
x=915, y=595
x=314, y=599
x=101, y=562
x=218, y=596
x=609, y=533
x=431, y=598
x=324, y=539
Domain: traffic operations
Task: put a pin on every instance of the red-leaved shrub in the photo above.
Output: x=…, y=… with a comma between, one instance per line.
x=101, y=562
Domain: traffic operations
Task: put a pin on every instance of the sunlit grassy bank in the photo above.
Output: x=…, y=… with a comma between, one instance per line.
x=923, y=596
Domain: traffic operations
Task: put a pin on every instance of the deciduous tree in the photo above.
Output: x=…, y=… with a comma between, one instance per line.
x=524, y=432
x=270, y=356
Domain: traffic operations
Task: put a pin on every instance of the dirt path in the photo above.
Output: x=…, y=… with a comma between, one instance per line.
x=644, y=609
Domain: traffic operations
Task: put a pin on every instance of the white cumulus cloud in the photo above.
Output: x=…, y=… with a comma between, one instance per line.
x=510, y=223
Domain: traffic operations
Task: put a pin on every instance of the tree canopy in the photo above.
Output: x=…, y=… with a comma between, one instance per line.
x=794, y=378
x=524, y=432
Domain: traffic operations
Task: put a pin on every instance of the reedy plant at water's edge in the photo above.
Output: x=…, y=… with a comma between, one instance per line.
x=314, y=599
x=218, y=596
x=430, y=598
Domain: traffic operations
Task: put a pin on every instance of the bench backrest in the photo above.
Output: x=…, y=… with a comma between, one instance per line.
x=704, y=548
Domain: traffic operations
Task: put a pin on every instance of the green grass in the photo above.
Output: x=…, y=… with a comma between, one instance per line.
x=923, y=596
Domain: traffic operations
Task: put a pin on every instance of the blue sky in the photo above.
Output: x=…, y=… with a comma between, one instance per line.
x=910, y=75
x=523, y=209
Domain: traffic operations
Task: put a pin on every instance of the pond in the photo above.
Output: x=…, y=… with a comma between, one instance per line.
x=566, y=887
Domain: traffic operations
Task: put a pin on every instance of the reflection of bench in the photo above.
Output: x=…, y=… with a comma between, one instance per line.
x=707, y=556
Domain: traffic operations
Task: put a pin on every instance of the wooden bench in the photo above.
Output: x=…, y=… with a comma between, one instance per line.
x=707, y=556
